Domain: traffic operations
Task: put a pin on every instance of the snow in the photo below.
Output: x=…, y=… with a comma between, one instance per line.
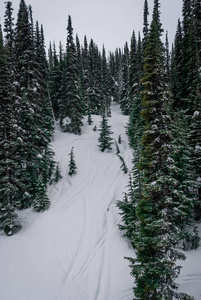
x=74, y=251
x=196, y=113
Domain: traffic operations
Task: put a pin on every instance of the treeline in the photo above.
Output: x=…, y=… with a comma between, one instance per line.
x=163, y=202
x=79, y=81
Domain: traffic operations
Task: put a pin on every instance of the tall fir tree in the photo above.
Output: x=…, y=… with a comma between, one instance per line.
x=72, y=163
x=71, y=108
x=124, y=100
x=105, y=84
x=135, y=124
x=105, y=140
x=176, y=69
x=145, y=24
x=159, y=208
x=9, y=160
x=197, y=15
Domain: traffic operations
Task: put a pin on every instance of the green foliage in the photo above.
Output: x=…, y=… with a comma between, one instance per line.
x=26, y=121
x=160, y=208
x=72, y=164
x=71, y=107
x=8, y=219
x=130, y=221
x=123, y=165
x=41, y=201
x=195, y=141
x=57, y=175
x=124, y=96
x=119, y=139
x=117, y=148
x=105, y=140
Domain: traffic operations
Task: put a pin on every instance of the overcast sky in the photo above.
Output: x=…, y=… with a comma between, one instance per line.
x=108, y=22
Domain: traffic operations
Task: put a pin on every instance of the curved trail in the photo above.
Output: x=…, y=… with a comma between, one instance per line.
x=98, y=185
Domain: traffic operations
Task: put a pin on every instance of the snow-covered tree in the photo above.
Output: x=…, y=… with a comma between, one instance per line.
x=123, y=164
x=72, y=163
x=105, y=140
x=9, y=158
x=159, y=208
x=41, y=201
x=70, y=104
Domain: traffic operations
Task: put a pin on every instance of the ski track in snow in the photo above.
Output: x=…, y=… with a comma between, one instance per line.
x=74, y=251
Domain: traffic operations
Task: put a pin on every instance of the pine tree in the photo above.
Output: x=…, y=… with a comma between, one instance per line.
x=97, y=90
x=135, y=124
x=159, y=208
x=57, y=175
x=167, y=60
x=184, y=178
x=55, y=70
x=196, y=146
x=105, y=140
x=176, y=69
x=146, y=24
x=130, y=222
x=72, y=164
x=197, y=15
x=187, y=15
x=105, y=84
x=9, y=160
x=41, y=201
x=117, y=148
x=133, y=70
x=89, y=119
x=123, y=165
x=9, y=34
x=32, y=106
x=124, y=100
x=70, y=105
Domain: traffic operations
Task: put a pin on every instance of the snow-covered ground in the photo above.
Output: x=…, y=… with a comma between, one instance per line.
x=74, y=251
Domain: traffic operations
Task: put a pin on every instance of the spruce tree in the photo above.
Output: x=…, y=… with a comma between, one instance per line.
x=70, y=105
x=55, y=71
x=184, y=173
x=135, y=124
x=159, y=208
x=32, y=105
x=187, y=16
x=197, y=16
x=124, y=97
x=176, y=69
x=105, y=84
x=123, y=164
x=146, y=24
x=9, y=35
x=95, y=72
x=195, y=142
x=57, y=175
x=41, y=201
x=105, y=140
x=72, y=164
x=9, y=158
x=130, y=222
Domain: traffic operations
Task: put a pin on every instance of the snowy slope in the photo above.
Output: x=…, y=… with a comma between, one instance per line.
x=74, y=251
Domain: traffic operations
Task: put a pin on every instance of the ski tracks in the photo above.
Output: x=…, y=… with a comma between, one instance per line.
x=85, y=249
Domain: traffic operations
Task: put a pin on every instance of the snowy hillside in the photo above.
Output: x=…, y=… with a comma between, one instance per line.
x=74, y=251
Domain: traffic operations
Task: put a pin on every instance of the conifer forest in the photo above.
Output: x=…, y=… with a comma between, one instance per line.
x=158, y=90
